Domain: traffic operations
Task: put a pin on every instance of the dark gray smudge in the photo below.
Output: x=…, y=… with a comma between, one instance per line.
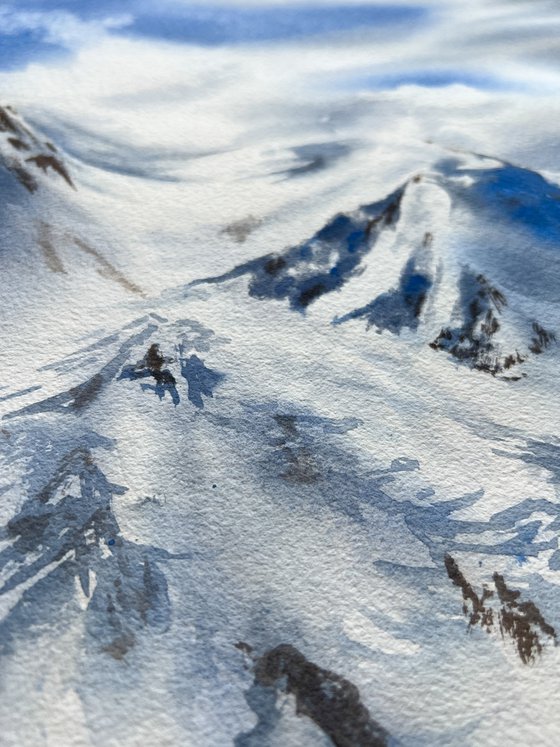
x=315, y=157
x=240, y=230
x=152, y=366
x=329, y=700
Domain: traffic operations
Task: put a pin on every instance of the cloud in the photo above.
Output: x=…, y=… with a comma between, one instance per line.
x=27, y=35
x=57, y=27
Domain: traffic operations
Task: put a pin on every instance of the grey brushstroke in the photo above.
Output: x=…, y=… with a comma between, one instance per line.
x=240, y=230
x=20, y=393
x=82, y=395
x=45, y=242
x=315, y=157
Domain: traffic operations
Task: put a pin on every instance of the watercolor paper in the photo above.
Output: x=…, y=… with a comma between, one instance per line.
x=280, y=292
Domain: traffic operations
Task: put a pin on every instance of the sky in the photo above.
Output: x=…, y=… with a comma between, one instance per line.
x=439, y=42
x=196, y=78
x=33, y=30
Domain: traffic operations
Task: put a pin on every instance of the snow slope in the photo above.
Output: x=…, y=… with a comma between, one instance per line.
x=280, y=460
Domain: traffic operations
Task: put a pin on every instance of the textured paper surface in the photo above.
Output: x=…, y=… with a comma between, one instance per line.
x=279, y=374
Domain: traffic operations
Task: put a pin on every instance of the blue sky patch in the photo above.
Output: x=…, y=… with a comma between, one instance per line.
x=205, y=25
x=216, y=25
x=19, y=49
x=431, y=79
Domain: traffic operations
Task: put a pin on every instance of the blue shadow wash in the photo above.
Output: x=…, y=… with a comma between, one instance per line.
x=215, y=25
x=84, y=9
x=323, y=263
x=512, y=193
x=399, y=307
x=201, y=380
x=205, y=25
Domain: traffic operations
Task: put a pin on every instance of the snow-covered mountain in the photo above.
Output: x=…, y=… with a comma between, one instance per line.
x=279, y=452
x=163, y=480
x=439, y=258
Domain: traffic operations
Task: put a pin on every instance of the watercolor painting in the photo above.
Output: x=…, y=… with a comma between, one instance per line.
x=279, y=400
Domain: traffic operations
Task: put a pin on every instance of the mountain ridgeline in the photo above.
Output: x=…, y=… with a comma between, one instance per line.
x=473, y=292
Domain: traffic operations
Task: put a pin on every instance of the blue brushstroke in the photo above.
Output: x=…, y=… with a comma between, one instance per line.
x=21, y=393
x=66, y=518
x=544, y=455
x=300, y=449
x=322, y=264
x=83, y=395
x=398, y=308
x=201, y=380
x=315, y=157
x=431, y=79
x=510, y=193
x=216, y=25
